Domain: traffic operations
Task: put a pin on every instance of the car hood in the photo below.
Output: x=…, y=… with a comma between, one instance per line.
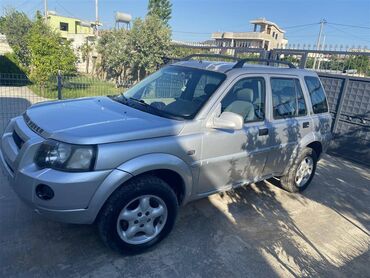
x=96, y=121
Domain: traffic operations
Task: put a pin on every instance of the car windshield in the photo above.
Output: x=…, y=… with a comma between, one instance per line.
x=174, y=91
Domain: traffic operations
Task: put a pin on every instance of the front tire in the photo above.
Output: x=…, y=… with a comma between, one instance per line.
x=138, y=215
x=301, y=172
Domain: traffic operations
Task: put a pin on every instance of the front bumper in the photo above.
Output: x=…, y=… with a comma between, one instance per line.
x=77, y=198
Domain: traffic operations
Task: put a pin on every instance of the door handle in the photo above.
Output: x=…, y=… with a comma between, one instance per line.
x=263, y=131
x=306, y=124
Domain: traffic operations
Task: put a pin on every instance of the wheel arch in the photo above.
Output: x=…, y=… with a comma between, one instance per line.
x=170, y=168
x=310, y=141
x=317, y=147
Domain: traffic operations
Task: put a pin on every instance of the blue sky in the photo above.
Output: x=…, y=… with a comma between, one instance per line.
x=194, y=20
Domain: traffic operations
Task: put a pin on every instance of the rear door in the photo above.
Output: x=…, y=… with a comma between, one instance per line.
x=290, y=121
x=320, y=112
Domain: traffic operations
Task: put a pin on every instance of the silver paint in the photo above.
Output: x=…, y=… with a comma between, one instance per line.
x=131, y=142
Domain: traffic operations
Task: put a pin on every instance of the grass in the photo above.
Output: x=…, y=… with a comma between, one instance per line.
x=75, y=87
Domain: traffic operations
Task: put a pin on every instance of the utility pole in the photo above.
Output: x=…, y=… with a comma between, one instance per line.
x=320, y=55
x=96, y=16
x=46, y=10
x=318, y=43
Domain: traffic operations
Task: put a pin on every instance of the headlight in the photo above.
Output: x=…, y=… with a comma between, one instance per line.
x=65, y=157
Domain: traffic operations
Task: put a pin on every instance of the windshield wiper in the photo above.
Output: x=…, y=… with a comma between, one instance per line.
x=121, y=99
x=139, y=100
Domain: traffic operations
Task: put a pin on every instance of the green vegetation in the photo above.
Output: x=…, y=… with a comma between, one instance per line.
x=16, y=26
x=115, y=53
x=38, y=50
x=9, y=64
x=86, y=50
x=149, y=41
x=180, y=52
x=161, y=9
x=133, y=54
x=49, y=53
x=76, y=86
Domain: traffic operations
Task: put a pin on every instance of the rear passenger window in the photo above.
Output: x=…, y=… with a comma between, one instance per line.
x=287, y=98
x=317, y=95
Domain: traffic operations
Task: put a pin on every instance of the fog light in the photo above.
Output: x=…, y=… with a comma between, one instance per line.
x=44, y=192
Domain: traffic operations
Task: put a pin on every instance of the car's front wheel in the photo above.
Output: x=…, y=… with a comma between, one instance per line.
x=138, y=215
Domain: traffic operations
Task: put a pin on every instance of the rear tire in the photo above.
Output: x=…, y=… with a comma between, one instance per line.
x=138, y=215
x=300, y=174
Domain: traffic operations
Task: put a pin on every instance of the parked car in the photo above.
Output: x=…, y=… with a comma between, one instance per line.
x=191, y=129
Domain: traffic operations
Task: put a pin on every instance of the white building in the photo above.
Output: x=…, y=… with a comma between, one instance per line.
x=266, y=34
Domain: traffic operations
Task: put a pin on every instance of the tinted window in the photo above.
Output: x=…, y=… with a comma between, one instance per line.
x=317, y=95
x=177, y=91
x=287, y=98
x=246, y=98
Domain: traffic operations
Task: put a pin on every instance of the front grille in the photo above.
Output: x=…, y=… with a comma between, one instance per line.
x=32, y=125
x=17, y=140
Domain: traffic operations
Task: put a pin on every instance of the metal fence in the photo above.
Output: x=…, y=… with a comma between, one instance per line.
x=349, y=103
x=348, y=91
x=17, y=92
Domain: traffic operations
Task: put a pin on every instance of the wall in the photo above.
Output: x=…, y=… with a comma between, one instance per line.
x=73, y=26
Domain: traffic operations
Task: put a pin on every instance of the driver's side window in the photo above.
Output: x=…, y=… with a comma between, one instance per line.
x=246, y=98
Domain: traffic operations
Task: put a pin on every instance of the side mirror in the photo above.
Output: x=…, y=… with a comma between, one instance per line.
x=227, y=120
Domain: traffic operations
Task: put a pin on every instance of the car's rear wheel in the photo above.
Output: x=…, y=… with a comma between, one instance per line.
x=138, y=215
x=300, y=174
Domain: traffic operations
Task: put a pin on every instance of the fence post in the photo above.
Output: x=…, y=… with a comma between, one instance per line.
x=340, y=104
x=59, y=80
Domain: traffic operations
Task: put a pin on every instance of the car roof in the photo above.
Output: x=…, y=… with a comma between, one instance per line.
x=227, y=67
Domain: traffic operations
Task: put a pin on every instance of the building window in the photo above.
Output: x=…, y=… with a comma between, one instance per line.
x=63, y=26
x=276, y=36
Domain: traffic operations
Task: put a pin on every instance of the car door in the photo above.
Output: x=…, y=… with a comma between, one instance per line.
x=234, y=157
x=290, y=121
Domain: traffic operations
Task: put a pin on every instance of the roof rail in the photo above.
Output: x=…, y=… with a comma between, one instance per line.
x=241, y=62
x=187, y=58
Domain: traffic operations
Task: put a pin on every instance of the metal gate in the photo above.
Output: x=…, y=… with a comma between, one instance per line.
x=349, y=103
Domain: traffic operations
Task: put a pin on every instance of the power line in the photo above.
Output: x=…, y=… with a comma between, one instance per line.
x=34, y=7
x=68, y=12
x=302, y=25
x=348, y=25
x=21, y=5
x=288, y=27
x=193, y=33
x=348, y=33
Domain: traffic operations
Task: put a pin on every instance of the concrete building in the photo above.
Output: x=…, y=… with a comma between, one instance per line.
x=78, y=32
x=68, y=26
x=266, y=34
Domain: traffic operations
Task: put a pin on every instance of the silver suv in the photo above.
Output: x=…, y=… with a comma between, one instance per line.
x=191, y=129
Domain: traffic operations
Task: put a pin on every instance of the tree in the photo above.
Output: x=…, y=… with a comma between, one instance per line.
x=2, y=24
x=149, y=41
x=160, y=8
x=16, y=26
x=49, y=53
x=361, y=63
x=86, y=50
x=115, y=53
